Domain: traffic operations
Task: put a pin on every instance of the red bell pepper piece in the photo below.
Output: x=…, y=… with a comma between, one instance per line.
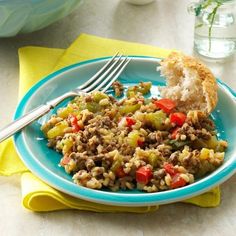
x=143, y=175
x=174, y=133
x=120, y=172
x=74, y=124
x=73, y=120
x=178, y=118
x=140, y=142
x=130, y=121
x=75, y=128
x=169, y=168
x=166, y=104
x=177, y=181
x=65, y=160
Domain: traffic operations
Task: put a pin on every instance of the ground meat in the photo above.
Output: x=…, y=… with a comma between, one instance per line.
x=118, y=88
x=174, y=158
x=191, y=133
x=105, y=142
x=159, y=174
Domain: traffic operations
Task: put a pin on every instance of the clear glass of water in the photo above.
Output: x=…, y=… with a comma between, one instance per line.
x=215, y=28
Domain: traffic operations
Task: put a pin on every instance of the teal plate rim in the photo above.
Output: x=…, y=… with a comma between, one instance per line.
x=115, y=198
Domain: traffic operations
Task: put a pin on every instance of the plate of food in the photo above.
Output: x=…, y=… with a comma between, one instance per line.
x=164, y=132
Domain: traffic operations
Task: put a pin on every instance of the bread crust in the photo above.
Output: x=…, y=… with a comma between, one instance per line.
x=208, y=80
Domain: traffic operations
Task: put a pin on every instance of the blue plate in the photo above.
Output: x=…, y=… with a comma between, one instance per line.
x=43, y=162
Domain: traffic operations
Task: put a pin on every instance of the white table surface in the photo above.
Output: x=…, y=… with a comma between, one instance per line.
x=164, y=23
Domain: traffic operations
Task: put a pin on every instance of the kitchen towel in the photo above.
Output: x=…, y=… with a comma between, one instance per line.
x=36, y=63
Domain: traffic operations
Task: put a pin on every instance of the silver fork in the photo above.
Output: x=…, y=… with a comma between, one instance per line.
x=102, y=80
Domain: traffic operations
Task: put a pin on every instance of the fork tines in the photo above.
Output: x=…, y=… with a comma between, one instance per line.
x=104, y=78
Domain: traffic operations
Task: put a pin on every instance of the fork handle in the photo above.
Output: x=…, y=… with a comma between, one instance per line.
x=23, y=121
x=31, y=116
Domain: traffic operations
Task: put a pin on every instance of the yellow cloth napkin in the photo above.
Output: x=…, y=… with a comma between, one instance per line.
x=35, y=63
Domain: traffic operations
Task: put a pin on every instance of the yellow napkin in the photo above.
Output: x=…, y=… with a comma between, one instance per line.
x=35, y=63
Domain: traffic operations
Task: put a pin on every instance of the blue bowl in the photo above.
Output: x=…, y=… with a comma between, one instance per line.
x=43, y=162
x=25, y=16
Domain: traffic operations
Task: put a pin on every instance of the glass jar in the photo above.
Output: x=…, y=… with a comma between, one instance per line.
x=215, y=28
x=139, y=2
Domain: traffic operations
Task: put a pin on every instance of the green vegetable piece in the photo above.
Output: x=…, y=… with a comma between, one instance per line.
x=57, y=130
x=82, y=106
x=153, y=159
x=212, y=143
x=131, y=92
x=98, y=96
x=125, y=109
x=178, y=144
x=199, y=144
x=67, y=145
x=93, y=107
x=143, y=88
x=116, y=164
x=77, y=100
x=156, y=120
x=64, y=112
x=133, y=138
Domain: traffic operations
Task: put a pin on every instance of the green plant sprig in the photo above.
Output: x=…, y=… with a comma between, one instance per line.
x=211, y=17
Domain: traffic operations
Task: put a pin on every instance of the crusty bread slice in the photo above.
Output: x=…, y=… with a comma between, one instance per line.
x=189, y=83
